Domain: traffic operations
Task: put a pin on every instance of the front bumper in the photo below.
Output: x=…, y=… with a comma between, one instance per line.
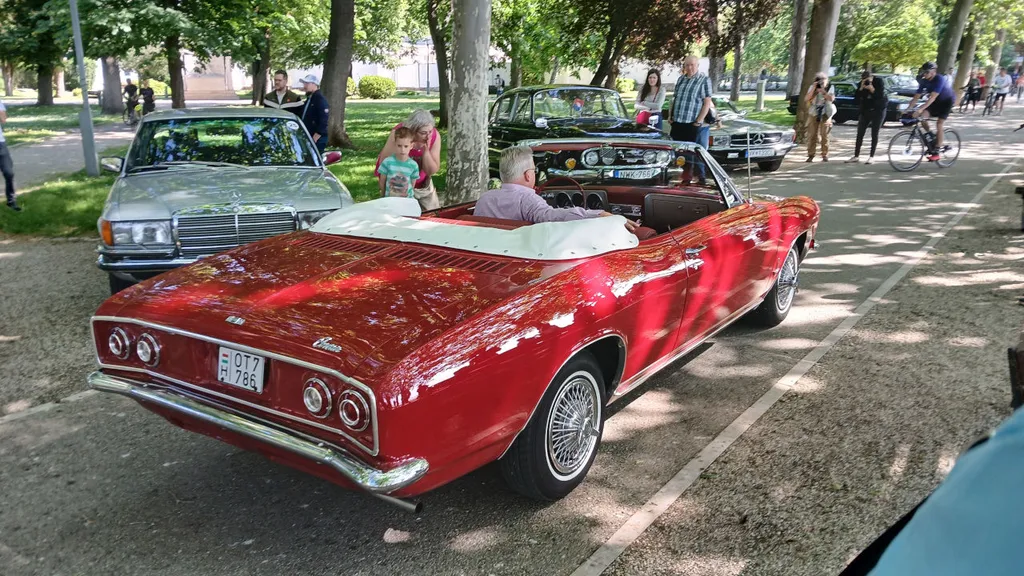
x=375, y=481
x=137, y=267
x=728, y=156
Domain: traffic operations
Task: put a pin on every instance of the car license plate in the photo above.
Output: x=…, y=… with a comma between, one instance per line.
x=241, y=369
x=762, y=153
x=644, y=174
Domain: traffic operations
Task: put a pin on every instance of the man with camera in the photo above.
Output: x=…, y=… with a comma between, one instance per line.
x=819, y=100
x=873, y=102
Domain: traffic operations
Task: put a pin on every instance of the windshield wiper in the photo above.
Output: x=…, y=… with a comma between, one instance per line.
x=186, y=163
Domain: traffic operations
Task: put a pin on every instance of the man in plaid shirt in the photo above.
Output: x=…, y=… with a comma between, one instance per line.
x=691, y=102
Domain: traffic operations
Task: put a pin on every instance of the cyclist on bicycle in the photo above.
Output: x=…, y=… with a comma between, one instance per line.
x=939, y=103
x=148, y=102
x=131, y=91
x=972, y=91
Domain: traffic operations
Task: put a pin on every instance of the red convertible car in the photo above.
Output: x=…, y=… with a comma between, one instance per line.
x=392, y=352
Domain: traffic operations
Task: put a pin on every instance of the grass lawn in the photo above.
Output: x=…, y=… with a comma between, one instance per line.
x=66, y=206
x=30, y=124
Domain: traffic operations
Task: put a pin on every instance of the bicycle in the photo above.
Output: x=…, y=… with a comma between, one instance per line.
x=908, y=148
x=966, y=100
x=129, y=116
x=990, y=103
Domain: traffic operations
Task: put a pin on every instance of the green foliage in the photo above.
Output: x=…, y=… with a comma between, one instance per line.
x=769, y=46
x=76, y=92
x=149, y=62
x=906, y=37
x=623, y=85
x=34, y=33
x=376, y=87
x=527, y=32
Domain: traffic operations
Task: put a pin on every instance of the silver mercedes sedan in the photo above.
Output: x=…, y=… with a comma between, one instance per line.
x=198, y=182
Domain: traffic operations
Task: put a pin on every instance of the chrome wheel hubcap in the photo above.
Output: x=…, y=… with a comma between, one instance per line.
x=787, y=282
x=573, y=426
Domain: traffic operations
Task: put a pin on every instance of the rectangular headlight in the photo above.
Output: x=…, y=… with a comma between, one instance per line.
x=788, y=137
x=721, y=140
x=153, y=232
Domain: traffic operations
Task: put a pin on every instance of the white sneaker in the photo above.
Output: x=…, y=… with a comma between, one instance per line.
x=853, y=160
x=870, y=160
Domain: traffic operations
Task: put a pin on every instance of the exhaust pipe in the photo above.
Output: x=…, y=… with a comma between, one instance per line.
x=412, y=507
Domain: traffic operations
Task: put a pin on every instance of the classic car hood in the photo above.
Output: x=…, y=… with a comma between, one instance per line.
x=156, y=195
x=294, y=290
x=601, y=128
x=734, y=124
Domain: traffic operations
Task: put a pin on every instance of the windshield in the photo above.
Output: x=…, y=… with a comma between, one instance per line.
x=900, y=81
x=217, y=141
x=578, y=102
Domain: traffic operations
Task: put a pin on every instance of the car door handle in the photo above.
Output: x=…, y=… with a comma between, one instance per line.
x=695, y=250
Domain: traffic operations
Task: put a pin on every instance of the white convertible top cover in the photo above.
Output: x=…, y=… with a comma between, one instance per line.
x=395, y=219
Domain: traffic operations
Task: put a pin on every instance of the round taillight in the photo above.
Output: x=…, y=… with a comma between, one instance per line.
x=118, y=343
x=148, y=350
x=316, y=396
x=353, y=410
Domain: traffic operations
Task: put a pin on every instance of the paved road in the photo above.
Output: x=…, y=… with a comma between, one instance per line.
x=99, y=486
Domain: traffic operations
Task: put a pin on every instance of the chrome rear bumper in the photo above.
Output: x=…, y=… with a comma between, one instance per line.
x=377, y=482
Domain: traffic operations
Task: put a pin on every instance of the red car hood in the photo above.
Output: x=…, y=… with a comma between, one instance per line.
x=291, y=291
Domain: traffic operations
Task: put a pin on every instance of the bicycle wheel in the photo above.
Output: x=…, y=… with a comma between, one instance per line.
x=950, y=148
x=906, y=150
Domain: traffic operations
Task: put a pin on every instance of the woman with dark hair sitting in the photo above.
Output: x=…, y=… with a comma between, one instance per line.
x=651, y=98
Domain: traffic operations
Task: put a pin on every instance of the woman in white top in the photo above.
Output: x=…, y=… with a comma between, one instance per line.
x=652, y=96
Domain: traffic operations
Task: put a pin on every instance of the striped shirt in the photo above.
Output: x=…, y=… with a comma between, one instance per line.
x=689, y=97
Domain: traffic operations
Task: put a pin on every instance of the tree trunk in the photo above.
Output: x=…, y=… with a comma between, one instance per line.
x=716, y=69
x=967, y=55
x=8, y=74
x=996, y=54
x=175, y=70
x=822, y=38
x=737, y=63
x=467, y=139
x=44, y=85
x=58, y=82
x=554, y=71
x=336, y=67
x=797, y=47
x=954, y=32
x=436, y=22
x=260, y=71
x=606, y=58
x=515, y=73
x=110, y=101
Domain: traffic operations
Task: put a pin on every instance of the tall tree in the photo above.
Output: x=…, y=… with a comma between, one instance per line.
x=970, y=47
x=953, y=34
x=797, y=47
x=439, y=21
x=904, y=37
x=338, y=67
x=821, y=39
x=36, y=35
x=467, y=150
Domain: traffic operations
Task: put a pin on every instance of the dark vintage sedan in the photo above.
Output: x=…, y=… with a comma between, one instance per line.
x=568, y=112
x=847, y=109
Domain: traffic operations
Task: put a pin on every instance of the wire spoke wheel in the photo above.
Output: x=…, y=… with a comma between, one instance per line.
x=950, y=148
x=788, y=280
x=906, y=150
x=573, y=426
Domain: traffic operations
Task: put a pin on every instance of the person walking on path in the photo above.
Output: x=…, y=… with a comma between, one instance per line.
x=1001, y=84
x=315, y=112
x=819, y=99
x=6, y=164
x=873, y=103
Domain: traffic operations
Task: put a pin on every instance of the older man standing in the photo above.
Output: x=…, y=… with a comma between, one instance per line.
x=517, y=199
x=691, y=102
x=315, y=111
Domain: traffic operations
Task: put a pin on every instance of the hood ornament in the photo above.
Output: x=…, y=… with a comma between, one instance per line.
x=236, y=199
x=235, y=320
x=325, y=344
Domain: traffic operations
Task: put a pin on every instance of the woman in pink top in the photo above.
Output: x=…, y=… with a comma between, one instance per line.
x=426, y=151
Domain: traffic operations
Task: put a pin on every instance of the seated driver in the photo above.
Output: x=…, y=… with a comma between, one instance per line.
x=517, y=199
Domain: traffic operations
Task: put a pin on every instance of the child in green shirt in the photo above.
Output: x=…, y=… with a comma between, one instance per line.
x=398, y=172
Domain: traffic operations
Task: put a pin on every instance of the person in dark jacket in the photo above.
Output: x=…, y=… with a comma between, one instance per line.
x=873, y=102
x=315, y=111
x=281, y=97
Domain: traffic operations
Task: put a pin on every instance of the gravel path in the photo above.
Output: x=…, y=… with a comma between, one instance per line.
x=50, y=288
x=867, y=434
x=35, y=163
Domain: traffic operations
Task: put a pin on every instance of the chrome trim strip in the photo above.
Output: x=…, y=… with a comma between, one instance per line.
x=366, y=477
x=372, y=450
x=625, y=352
x=142, y=265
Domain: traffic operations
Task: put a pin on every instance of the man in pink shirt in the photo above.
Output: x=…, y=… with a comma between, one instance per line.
x=518, y=200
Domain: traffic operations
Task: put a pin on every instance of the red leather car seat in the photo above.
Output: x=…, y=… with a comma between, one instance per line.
x=643, y=233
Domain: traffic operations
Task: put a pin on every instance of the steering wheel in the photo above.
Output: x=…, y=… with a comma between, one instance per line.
x=541, y=188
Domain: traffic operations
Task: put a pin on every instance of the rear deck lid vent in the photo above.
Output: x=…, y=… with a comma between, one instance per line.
x=341, y=244
x=448, y=260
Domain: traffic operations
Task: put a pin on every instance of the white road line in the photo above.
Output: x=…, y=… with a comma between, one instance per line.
x=46, y=407
x=670, y=492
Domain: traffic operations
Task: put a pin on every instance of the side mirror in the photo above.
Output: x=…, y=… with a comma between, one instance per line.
x=112, y=164
x=742, y=113
x=332, y=157
x=541, y=123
